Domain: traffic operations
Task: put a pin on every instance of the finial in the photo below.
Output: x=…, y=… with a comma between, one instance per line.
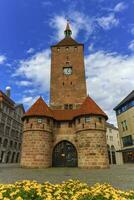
x=68, y=31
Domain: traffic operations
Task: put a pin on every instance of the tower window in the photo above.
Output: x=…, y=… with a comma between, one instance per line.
x=58, y=49
x=66, y=106
x=71, y=83
x=75, y=48
x=63, y=83
x=70, y=106
x=31, y=125
x=67, y=48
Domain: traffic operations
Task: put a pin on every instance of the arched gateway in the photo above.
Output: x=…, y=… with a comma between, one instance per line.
x=64, y=155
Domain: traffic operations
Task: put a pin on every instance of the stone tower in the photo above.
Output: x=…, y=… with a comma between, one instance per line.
x=68, y=85
x=71, y=132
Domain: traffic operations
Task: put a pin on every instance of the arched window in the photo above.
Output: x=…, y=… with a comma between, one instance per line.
x=11, y=144
x=15, y=145
x=5, y=143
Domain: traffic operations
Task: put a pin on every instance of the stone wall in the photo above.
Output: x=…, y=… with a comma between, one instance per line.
x=37, y=145
x=88, y=137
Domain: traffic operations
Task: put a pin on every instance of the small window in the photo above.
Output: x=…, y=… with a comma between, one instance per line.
x=100, y=119
x=39, y=121
x=87, y=119
x=75, y=48
x=63, y=83
x=71, y=83
x=70, y=106
x=82, y=125
x=58, y=49
x=67, y=48
x=31, y=125
x=78, y=120
x=66, y=106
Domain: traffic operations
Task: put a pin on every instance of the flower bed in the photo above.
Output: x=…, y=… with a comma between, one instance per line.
x=71, y=190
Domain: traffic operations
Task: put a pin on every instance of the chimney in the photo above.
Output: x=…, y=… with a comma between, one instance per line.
x=8, y=91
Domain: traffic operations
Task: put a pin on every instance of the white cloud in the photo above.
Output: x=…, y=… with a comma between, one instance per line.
x=31, y=50
x=110, y=79
x=120, y=7
x=36, y=69
x=131, y=45
x=108, y=22
x=23, y=83
x=78, y=21
x=28, y=100
x=2, y=59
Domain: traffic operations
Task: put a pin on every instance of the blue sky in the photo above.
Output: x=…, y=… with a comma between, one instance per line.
x=30, y=27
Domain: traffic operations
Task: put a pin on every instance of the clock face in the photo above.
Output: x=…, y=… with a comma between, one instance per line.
x=67, y=70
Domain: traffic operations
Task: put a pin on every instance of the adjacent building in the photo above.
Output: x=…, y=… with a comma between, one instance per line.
x=125, y=118
x=113, y=145
x=11, y=128
x=71, y=131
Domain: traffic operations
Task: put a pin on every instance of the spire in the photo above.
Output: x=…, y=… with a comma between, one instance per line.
x=68, y=31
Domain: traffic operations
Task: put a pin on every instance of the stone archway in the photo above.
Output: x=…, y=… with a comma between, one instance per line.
x=64, y=155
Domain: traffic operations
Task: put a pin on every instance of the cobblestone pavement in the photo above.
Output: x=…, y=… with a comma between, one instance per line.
x=119, y=176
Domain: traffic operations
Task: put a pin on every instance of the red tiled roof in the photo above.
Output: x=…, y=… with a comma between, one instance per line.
x=90, y=107
x=67, y=41
x=40, y=108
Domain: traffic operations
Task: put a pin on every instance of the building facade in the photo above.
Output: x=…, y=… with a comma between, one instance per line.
x=71, y=131
x=113, y=144
x=11, y=129
x=125, y=118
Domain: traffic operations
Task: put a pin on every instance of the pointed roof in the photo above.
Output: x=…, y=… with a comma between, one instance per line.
x=68, y=31
x=68, y=40
x=39, y=108
x=68, y=26
x=90, y=107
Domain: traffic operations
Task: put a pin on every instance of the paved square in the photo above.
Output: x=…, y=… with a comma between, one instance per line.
x=119, y=176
